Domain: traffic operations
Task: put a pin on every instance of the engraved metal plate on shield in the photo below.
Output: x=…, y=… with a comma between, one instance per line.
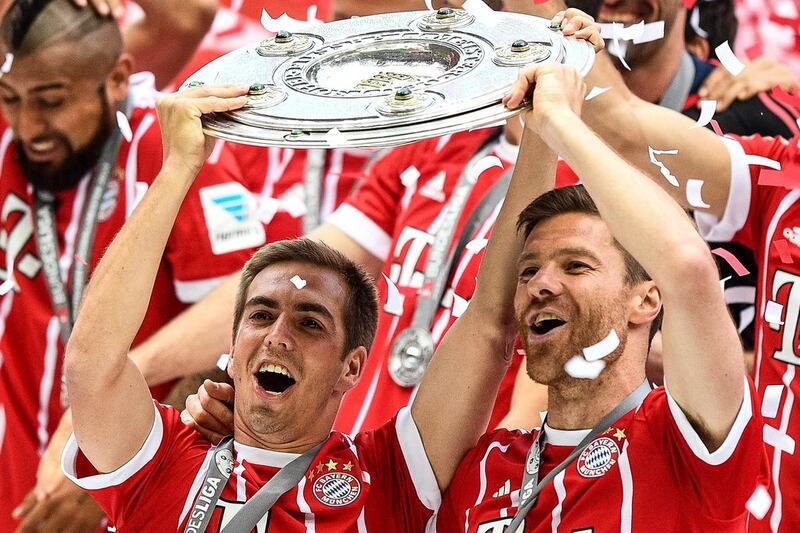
x=383, y=80
x=409, y=357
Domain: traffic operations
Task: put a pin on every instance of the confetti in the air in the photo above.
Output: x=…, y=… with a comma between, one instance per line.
x=394, y=300
x=6, y=67
x=459, y=305
x=759, y=502
x=267, y=207
x=580, y=368
x=409, y=176
x=716, y=128
x=476, y=245
x=603, y=348
x=694, y=195
x=707, y=110
x=774, y=313
x=761, y=161
x=636, y=33
x=732, y=260
x=482, y=12
x=772, y=398
x=595, y=92
x=222, y=362
x=298, y=282
x=80, y=260
x=664, y=170
x=336, y=138
x=789, y=178
x=785, y=253
x=485, y=164
x=722, y=283
x=728, y=59
x=429, y=5
x=694, y=21
x=778, y=440
x=653, y=31
x=7, y=286
x=287, y=23
x=619, y=48
x=124, y=126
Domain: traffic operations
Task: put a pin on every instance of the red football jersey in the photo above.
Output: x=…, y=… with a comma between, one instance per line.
x=767, y=219
x=395, y=215
x=215, y=233
x=377, y=481
x=648, y=472
x=276, y=176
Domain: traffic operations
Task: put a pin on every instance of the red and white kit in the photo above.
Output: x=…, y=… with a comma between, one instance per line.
x=648, y=472
x=767, y=219
x=378, y=481
x=214, y=235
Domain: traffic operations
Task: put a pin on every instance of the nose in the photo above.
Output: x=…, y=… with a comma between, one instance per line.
x=546, y=283
x=279, y=337
x=30, y=123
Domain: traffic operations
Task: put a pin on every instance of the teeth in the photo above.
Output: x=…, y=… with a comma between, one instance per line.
x=546, y=316
x=43, y=146
x=275, y=369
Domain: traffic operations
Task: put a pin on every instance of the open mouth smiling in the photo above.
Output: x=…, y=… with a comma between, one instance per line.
x=274, y=379
x=545, y=322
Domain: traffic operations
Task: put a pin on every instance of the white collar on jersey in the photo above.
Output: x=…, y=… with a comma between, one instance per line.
x=260, y=456
x=505, y=150
x=564, y=437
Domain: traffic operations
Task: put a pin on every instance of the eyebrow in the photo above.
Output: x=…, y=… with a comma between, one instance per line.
x=305, y=307
x=38, y=88
x=572, y=251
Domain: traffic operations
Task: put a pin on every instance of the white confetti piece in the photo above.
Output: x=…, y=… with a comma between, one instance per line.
x=653, y=31
x=124, y=126
x=707, y=110
x=773, y=313
x=482, y=12
x=619, y=48
x=603, y=348
x=722, y=283
x=664, y=170
x=694, y=21
x=595, y=92
x=580, y=368
x=222, y=362
x=728, y=59
x=778, y=440
x=757, y=160
x=7, y=286
x=6, y=67
x=627, y=33
x=459, y=305
x=298, y=282
x=485, y=164
x=694, y=196
x=394, y=300
x=636, y=33
x=476, y=245
x=759, y=502
x=409, y=176
x=287, y=23
x=336, y=138
x=772, y=398
x=267, y=207
x=429, y=5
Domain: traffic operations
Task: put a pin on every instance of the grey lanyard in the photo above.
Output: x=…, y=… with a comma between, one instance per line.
x=413, y=348
x=531, y=486
x=220, y=469
x=681, y=85
x=65, y=306
x=315, y=168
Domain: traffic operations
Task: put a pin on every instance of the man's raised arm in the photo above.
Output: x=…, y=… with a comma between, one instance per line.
x=702, y=352
x=108, y=395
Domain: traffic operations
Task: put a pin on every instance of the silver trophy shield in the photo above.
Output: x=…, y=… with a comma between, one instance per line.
x=411, y=352
x=383, y=80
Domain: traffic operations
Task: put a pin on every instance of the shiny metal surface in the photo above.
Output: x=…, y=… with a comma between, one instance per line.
x=347, y=75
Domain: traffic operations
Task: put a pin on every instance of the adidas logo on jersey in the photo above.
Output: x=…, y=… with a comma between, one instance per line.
x=792, y=235
x=504, y=490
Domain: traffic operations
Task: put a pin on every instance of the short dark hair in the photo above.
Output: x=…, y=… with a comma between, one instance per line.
x=360, y=306
x=576, y=199
x=718, y=20
x=29, y=25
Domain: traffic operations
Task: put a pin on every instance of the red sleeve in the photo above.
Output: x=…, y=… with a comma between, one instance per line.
x=741, y=457
x=157, y=478
x=743, y=216
x=368, y=215
x=401, y=475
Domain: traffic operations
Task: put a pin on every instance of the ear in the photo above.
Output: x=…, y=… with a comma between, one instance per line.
x=117, y=79
x=698, y=47
x=645, y=303
x=231, y=372
x=352, y=368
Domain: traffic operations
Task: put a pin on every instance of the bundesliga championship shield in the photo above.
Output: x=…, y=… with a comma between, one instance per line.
x=383, y=80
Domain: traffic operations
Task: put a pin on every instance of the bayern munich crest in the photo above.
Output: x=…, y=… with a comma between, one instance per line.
x=598, y=458
x=337, y=489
